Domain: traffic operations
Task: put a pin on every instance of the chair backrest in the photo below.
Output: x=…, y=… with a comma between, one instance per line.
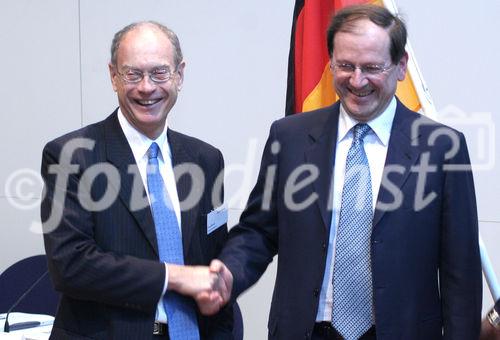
x=18, y=278
x=237, y=323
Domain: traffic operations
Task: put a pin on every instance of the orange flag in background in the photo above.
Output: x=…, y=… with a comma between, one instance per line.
x=310, y=82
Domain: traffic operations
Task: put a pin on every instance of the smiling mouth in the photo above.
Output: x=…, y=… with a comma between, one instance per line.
x=361, y=94
x=148, y=102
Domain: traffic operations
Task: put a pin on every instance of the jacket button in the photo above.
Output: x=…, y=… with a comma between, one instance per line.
x=307, y=335
x=316, y=292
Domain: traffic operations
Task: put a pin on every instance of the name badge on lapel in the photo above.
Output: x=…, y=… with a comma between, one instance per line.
x=216, y=219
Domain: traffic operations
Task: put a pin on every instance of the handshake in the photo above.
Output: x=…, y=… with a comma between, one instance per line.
x=209, y=286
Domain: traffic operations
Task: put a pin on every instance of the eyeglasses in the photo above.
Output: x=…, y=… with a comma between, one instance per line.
x=158, y=75
x=367, y=70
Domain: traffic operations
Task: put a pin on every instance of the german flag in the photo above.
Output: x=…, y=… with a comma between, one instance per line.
x=310, y=82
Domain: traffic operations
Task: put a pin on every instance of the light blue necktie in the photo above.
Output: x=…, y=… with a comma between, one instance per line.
x=182, y=322
x=352, y=311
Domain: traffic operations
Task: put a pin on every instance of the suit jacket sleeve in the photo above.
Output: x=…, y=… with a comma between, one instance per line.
x=253, y=243
x=460, y=267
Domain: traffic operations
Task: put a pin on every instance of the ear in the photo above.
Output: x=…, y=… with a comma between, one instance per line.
x=180, y=72
x=402, y=66
x=113, y=75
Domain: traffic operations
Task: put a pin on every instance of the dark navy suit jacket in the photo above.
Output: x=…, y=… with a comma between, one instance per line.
x=425, y=258
x=105, y=261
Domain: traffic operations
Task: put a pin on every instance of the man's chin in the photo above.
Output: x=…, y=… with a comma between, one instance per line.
x=357, y=111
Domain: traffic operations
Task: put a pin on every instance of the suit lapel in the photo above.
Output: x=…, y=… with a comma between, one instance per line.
x=181, y=155
x=321, y=153
x=133, y=195
x=400, y=157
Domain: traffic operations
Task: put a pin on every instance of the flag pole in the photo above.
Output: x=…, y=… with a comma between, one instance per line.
x=489, y=272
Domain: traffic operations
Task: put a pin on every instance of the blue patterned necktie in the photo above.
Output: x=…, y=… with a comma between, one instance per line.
x=182, y=322
x=352, y=313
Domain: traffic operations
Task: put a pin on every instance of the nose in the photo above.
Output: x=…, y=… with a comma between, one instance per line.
x=146, y=85
x=357, y=79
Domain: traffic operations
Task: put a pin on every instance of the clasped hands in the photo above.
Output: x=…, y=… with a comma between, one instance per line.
x=209, y=286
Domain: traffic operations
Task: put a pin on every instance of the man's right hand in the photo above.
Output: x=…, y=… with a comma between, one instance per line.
x=191, y=280
x=209, y=286
x=210, y=302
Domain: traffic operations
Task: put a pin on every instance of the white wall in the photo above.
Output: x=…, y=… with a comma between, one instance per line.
x=54, y=56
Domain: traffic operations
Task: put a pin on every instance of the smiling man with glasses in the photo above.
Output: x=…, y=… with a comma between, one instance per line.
x=119, y=262
x=369, y=206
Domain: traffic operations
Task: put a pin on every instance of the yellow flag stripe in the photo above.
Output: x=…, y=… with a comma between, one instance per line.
x=323, y=93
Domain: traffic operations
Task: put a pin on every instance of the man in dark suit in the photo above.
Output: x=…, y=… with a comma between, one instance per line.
x=370, y=207
x=120, y=194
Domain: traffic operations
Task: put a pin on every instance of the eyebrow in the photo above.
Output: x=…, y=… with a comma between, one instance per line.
x=152, y=68
x=344, y=61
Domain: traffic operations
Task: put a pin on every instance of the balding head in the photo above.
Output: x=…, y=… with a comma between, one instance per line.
x=118, y=38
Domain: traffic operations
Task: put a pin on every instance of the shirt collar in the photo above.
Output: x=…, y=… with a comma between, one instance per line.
x=381, y=125
x=140, y=143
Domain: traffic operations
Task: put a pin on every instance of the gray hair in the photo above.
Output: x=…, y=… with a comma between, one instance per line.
x=117, y=39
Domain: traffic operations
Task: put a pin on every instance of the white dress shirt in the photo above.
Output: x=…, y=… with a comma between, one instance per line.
x=375, y=144
x=140, y=144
